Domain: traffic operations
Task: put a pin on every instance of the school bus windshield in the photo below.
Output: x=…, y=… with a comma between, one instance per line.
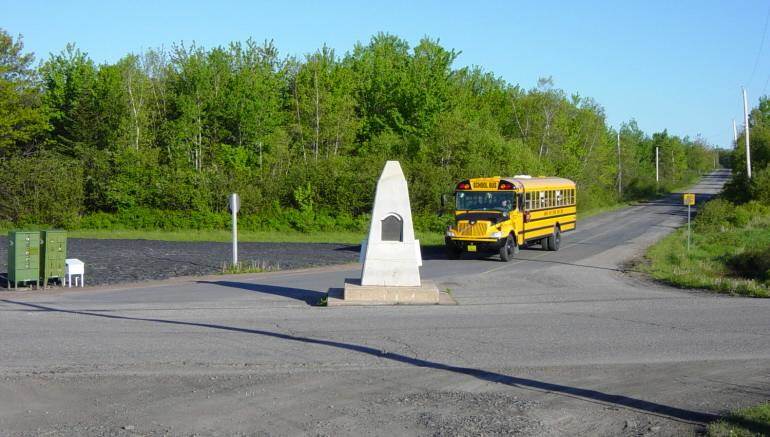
x=484, y=201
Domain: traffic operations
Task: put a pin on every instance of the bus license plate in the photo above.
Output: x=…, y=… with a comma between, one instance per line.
x=471, y=248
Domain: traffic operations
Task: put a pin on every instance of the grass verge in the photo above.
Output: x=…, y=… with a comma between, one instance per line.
x=746, y=422
x=224, y=236
x=581, y=215
x=726, y=259
x=249, y=267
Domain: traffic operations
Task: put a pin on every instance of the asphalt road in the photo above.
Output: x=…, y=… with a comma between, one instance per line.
x=563, y=343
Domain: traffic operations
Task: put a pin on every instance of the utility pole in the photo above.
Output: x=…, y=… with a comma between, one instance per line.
x=620, y=171
x=746, y=132
x=735, y=133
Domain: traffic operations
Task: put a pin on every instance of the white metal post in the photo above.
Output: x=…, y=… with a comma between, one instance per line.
x=620, y=171
x=657, y=172
x=688, y=227
x=234, y=206
x=735, y=133
x=746, y=133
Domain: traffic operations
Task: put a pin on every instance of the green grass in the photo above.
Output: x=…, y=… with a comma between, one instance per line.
x=249, y=267
x=715, y=258
x=601, y=210
x=339, y=237
x=746, y=422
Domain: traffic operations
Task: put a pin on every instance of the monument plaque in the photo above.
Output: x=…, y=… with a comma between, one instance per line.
x=392, y=228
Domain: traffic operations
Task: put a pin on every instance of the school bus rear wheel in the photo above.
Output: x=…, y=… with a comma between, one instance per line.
x=554, y=241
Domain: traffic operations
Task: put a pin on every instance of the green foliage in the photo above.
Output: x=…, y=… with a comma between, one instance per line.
x=42, y=188
x=714, y=215
x=760, y=186
x=248, y=267
x=741, y=188
x=745, y=422
x=730, y=251
x=752, y=264
x=23, y=120
x=163, y=137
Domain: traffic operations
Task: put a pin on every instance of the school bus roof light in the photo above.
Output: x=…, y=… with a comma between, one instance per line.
x=505, y=186
x=464, y=185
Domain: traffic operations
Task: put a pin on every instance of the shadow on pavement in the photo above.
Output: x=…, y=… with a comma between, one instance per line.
x=524, y=383
x=311, y=297
x=355, y=248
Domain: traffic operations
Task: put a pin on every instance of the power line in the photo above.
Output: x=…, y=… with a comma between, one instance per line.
x=761, y=45
x=764, y=88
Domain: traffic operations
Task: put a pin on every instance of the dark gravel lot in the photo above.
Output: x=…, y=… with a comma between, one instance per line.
x=121, y=261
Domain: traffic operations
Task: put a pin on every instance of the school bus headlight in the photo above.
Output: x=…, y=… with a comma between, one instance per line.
x=450, y=233
x=497, y=234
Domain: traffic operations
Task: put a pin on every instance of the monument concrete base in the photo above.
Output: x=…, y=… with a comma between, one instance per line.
x=356, y=294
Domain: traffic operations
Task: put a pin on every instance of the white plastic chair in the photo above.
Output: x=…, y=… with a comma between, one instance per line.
x=74, y=267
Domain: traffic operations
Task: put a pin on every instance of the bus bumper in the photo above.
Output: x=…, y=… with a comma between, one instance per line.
x=474, y=244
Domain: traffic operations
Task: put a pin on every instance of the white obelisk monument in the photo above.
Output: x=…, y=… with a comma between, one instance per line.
x=391, y=255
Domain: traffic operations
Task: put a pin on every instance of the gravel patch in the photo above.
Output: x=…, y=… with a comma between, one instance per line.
x=121, y=261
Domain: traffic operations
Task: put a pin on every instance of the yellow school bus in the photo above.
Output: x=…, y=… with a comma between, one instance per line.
x=502, y=214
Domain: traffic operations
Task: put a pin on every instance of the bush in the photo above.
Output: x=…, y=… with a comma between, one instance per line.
x=749, y=212
x=432, y=222
x=760, y=186
x=273, y=219
x=42, y=188
x=715, y=214
x=752, y=264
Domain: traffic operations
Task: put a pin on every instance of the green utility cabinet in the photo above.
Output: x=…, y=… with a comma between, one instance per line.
x=53, y=252
x=23, y=257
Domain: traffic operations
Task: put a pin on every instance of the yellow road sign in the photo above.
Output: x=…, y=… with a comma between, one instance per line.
x=689, y=198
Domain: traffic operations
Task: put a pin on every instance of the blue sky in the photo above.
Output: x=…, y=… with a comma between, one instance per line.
x=668, y=64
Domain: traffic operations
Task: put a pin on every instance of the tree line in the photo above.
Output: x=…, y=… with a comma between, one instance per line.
x=741, y=188
x=170, y=132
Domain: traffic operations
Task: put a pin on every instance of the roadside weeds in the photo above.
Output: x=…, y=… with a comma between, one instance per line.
x=744, y=422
